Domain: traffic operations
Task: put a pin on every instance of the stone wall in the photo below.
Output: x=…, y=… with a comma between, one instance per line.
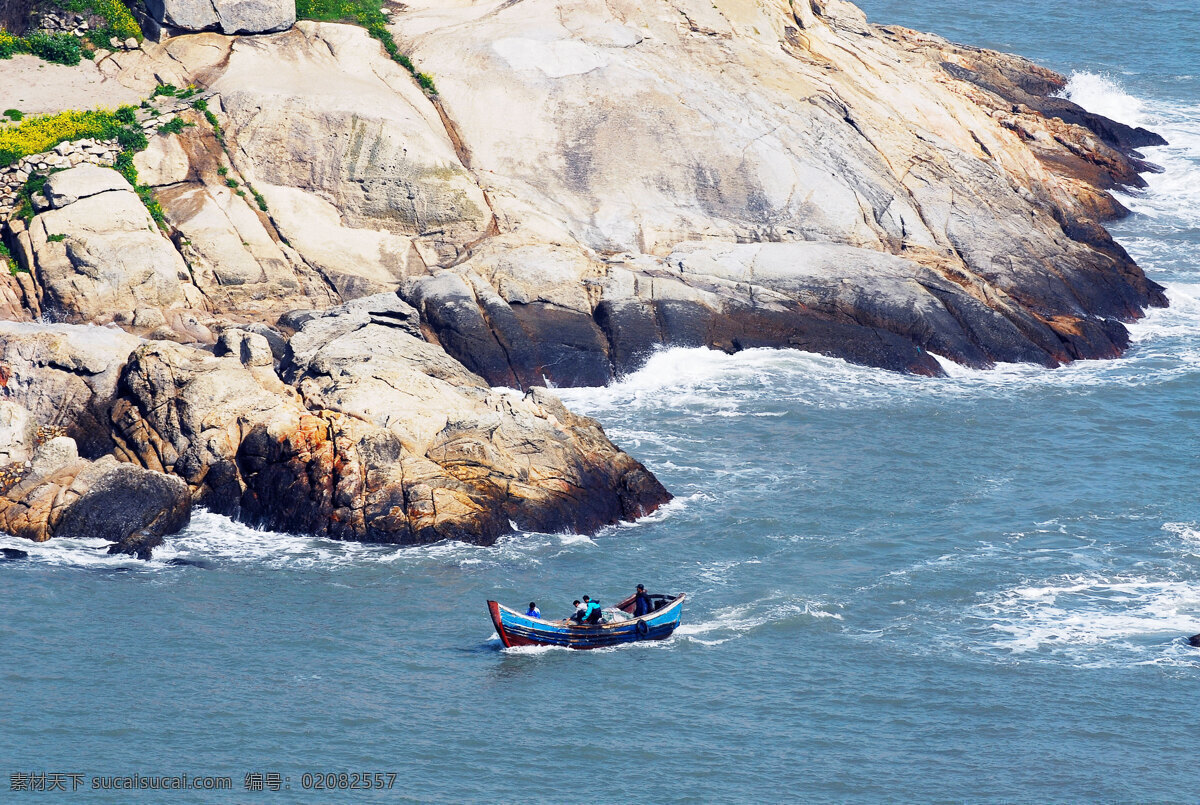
x=63, y=155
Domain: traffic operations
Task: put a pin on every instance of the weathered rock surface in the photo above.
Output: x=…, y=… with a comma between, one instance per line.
x=65, y=375
x=532, y=217
x=388, y=439
x=631, y=129
x=321, y=109
x=104, y=499
x=98, y=250
x=58, y=494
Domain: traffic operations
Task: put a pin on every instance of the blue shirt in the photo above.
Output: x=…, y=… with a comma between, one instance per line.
x=533, y=612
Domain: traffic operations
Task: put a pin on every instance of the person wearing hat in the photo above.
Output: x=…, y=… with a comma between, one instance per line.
x=641, y=603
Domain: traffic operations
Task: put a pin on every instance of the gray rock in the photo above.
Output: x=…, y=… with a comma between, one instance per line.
x=226, y=16
x=127, y=500
x=18, y=432
x=67, y=187
x=250, y=348
x=53, y=455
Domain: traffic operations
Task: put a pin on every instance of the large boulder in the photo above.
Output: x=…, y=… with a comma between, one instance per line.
x=65, y=375
x=99, y=251
x=227, y=16
x=103, y=499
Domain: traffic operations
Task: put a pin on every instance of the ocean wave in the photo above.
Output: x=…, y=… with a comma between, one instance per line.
x=1171, y=201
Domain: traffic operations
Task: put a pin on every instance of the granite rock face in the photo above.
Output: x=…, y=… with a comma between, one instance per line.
x=534, y=211
x=350, y=264
x=98, y=251
x=377, y=435
x=630, y=129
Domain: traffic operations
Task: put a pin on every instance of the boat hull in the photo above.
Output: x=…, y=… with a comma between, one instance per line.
x=516, y=629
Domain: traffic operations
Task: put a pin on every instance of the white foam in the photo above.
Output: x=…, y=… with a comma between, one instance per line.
x=1105, y=96
x=731, y=623
x=1133, y=615
x=1171, y=202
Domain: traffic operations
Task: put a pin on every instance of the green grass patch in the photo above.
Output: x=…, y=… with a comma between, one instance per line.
x=258, y=199
x=14, y=114
x=59, y=238
x=366, y=13
x=36, y=183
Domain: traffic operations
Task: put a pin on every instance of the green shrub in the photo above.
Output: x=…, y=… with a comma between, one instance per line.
x=123, y=165
x=132, y=139
x=126, y=115
x=120, y=22
x=56, y=48
x=14, y=114
x=231, y=183
x=258, y=197
x=11, y=44
x=146, y=194
x=59, y=238
x=36, y=183
x=169, y=90
x=200, y=104
x=222, y=171
x=174, y=126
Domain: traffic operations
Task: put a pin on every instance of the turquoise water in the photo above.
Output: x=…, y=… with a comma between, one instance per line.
x=970, y=588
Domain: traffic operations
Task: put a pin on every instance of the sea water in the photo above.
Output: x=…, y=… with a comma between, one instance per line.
x=967, y=588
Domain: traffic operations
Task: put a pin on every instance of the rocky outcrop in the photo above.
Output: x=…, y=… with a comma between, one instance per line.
x=103, y=499
x=631, y=129
x=65, y=376
x=536, y=218
x=350, y=263
x=377, y=436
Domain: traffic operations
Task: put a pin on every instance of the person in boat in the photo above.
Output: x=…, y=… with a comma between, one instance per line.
x=533, y=611
x=580, y=611
x=592, y=614
x=641, y=602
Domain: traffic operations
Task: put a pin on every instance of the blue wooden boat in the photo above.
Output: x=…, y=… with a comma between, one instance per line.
x=515, y=629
